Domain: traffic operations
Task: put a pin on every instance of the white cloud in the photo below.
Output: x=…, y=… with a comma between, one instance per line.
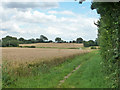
x=38, y=0
x=3, y=32
x=53, y=31
x=32, y=23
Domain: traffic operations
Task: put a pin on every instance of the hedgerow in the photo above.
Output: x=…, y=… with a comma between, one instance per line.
x=109, y=38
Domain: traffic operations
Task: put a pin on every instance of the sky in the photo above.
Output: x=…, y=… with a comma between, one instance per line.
x=67, y=20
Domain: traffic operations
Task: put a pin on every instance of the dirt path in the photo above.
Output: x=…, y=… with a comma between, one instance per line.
x=67, y=76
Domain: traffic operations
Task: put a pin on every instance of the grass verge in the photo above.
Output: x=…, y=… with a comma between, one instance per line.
x=89, y=75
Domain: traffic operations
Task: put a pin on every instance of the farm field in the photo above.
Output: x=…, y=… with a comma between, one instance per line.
x=60, y=44
x=22, y=55
x=24, y=61
x=54, y=45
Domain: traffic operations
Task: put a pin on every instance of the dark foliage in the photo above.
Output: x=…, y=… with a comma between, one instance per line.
x=9, y=41
x=90, y=43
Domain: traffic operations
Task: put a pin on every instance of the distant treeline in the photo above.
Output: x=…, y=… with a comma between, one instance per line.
x=10, y=41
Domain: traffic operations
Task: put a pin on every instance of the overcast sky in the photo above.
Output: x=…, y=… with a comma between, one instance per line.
x=68, y=20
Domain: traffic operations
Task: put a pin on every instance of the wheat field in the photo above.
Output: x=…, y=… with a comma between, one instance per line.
x=57, y=45
x=29, y=55
x=32, y=61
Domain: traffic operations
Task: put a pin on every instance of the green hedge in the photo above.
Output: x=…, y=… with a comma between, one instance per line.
x=27, y=46
x=109, y=38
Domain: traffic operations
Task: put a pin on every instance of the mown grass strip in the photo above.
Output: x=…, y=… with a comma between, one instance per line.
x=89, y=75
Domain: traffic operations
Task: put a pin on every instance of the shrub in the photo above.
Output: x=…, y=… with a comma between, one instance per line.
x=93, y=47
x=90, y=43
x=28, y=46
x=32, y=47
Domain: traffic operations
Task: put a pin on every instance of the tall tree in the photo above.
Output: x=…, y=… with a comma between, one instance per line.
x=21, y=39
x=9, y=38
x=79, y=40
x=10, y=41
x=57, y=39
x=43, y=37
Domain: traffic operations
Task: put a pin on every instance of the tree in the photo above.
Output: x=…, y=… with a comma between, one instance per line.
x=79, y=40
x=50, y=41
x=37, y=40
x=57, y=39
x=91, y=43
x=9, y=38
x=43, y=37
x=21, y=39
x=41, y=41
x=73, y=41
x=32, y=40
x=86, y=44
x=10, y=41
